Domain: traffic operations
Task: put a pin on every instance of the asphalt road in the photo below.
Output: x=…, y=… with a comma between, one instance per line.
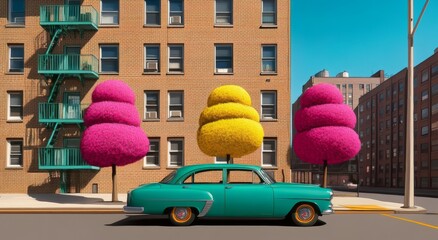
x=120, y=226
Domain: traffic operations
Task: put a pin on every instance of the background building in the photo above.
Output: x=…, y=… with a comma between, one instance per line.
x=172, y=53
x=352, y=88
x=382, y=128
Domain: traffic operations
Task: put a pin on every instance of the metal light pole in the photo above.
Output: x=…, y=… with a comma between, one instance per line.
x=409, y=174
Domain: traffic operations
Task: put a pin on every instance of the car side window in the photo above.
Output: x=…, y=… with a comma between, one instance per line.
x=243, y=177
x=203, y=177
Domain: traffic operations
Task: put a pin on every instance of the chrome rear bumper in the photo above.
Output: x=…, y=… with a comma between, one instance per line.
x=132, y=210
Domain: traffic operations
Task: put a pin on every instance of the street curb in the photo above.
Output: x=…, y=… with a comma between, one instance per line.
x=60, y=211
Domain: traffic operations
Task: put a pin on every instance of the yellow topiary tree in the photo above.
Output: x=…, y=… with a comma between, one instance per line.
x=229, y=126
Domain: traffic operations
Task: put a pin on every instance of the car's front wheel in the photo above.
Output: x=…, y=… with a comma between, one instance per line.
x=304, y=215
x=182, y=216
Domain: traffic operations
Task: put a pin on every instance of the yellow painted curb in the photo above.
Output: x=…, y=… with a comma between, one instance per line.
x=366, y=208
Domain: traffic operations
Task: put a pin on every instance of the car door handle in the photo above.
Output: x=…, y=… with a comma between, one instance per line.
x=228, y=187
x=185, y=187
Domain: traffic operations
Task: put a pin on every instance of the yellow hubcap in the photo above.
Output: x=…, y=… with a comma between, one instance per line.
x=181, y=215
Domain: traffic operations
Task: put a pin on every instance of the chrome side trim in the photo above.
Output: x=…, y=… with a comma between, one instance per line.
x=207, y=207
x=131, y=210
x=327, y=212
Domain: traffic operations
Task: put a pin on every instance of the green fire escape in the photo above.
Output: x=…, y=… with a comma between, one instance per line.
x=59, y=21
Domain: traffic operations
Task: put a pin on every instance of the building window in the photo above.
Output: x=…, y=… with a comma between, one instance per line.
x=269, y=152
x=109, y=12
x=176, y=12
x=224, y=12
x=16, y=12
x=152, y=105
x=434, y=108
x=434, y=89
x=222, y=160
x=176, y=152
x=424, y=95
x=15, y=153
x=435, y=70
x=176, y=58
x=269, y=59
x=269, y=105
x=15, y=106
x=152, y=159
x=424, y=113
x=152, y=58
x=224, y=58
x=109, y=58
x=269, y=12
x=152, y=12
x=176, y=105
x=16, y=58
x=424, y=130
x=424, y=76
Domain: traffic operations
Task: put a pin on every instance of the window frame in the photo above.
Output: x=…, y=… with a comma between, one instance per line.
x=10, y=6
x=268, y=12
x=152, y=12
x=10, y=47
x=157, y=106
x=109, y=58
x=228, y=58
x=169, y=105
x=177, y=13
x=170, y=151
x=102, y=13
x=264, y=106
x=146, y=60
x=181, y=59
x=9, y=154
x=156, y=154
x=230, y=13
x=263, y=58
x=13, y=118
x=274, y=152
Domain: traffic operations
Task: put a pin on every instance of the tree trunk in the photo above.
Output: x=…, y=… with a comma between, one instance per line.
x=324, y=179
x=114, y=177
x=228, y=159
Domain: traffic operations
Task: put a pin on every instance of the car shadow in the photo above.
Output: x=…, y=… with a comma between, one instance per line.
x=145, y=220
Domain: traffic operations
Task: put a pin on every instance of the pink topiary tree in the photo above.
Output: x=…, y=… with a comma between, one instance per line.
x=113, y=136
x=325, y=128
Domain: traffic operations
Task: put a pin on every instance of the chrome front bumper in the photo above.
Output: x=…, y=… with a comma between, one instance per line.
x=132, y=210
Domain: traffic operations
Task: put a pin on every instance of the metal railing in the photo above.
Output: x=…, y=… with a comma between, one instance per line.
x=68, y=14
x=62, y=158
x=67, y=63
x=59, y=112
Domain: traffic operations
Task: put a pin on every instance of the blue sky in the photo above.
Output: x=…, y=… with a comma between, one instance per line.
x=358, y=36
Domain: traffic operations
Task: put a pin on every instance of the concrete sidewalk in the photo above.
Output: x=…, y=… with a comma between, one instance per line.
x=101, y=203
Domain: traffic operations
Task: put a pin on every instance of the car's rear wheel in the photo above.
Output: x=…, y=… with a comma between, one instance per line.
x=182, y=216
x=304, y=215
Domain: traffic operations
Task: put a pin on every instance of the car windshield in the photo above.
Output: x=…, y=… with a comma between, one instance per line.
x=266, y=175
x=168, y=178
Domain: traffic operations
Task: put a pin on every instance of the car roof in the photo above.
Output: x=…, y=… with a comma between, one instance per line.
x=187, y=169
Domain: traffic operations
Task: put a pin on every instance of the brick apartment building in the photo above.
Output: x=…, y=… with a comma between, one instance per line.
x=352, y=88
x=382, y=129
x=172, y=53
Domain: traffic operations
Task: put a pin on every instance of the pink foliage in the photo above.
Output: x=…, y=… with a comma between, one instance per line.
x=112, y=112
x=325, y=127
x=113, y=90
x=113, y=135
x=322, y=93
x=324, y=115
x=112, y=143
x=334, y=144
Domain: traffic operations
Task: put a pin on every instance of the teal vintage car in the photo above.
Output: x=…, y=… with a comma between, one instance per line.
x=228, y=191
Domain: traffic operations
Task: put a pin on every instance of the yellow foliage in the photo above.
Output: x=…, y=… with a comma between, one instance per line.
x=229, y=125
x=237, y=137
x=229, y=93
x=227, y=111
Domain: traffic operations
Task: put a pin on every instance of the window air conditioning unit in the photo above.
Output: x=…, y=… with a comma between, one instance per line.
x=175, y=114
x=152, y=65
x=267, y=116
x=151, y=115
x=175, y=20
x=224, y=70
x=19, y=19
